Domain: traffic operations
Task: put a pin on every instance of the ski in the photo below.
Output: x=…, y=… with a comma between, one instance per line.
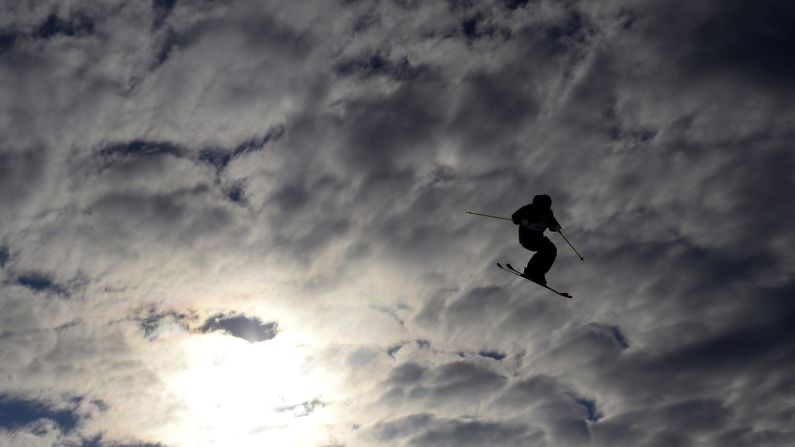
x=509, y=268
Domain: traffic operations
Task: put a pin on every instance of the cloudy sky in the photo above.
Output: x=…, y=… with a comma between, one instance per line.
x=242, y=223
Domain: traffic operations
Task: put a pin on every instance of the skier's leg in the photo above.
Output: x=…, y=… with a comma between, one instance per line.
x=531, y=271
x=547, y=252
x=531, y=242
x=541, y=261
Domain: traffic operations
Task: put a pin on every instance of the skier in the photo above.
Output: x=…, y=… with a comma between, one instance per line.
x=533, y=219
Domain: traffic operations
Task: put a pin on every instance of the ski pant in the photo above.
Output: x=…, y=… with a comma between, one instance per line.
x=545, y=251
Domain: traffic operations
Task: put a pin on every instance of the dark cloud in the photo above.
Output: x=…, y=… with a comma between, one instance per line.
x=145, y=444
x=476, y=26
x=475, y=433
x=20, y=173
x=251, y=329
x=475, y=305
x=97, y=441
x=369, y=65
x=292, y=197
x=138, y=149
x=535, y=318
x=747, y=437
x=557, y=406
x=314, y=163
x=41, y=282
x=73, y=26
x=7, y=40
x=738, y=38
x=679, y=423
x=695, y=416
x=162, y=8
x=459, y=376
x=220, y=158
x=515, y=4
x=462, y=382
x=163, y=210
x=136, y=159
x=237, y=194
x=166, y=42
x=406, y=373
x=179, y=218
x=758, y=344
x=381, y=131
x=592, y=413
x=4, y=256
x=392, y=350
x=401, y=427
x=492, y=355
x=528, y=392
x=153, y=322
x=426, y=430
x=493, y=106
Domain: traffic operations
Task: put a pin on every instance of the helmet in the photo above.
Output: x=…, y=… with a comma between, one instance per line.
x=542, y=201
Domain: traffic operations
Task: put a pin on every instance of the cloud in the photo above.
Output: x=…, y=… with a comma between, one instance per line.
x=153, y=323
x=248, y=328
x=424, y=429
x=54, y=25
x=171, y=172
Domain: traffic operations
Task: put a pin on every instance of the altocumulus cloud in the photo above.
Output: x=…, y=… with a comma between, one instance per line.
x=178, y=177
x=249, y=329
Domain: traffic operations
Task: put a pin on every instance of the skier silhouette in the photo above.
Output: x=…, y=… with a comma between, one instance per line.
x=533, y=219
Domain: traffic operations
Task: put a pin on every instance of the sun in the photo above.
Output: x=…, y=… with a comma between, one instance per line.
x=236, y=393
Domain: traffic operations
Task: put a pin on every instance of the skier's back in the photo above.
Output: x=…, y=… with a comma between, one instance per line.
x=533, y=219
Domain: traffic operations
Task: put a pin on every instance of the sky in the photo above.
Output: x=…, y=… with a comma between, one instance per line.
x=243, y=223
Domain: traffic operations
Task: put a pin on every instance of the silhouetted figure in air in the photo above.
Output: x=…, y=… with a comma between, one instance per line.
x=533, y=219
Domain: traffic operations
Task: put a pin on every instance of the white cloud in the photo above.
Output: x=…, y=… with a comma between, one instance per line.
x=310, y=164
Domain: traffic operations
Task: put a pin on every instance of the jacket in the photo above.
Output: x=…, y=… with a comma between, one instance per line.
x=535, y=219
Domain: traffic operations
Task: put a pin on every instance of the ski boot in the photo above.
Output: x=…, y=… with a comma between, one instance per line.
x=535, y=277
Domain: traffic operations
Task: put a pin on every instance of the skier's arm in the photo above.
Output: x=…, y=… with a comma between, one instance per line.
x=553, y=223
x=519, y=215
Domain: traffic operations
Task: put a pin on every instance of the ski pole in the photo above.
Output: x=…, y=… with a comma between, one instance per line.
x=559, y=231
x=488, y=215
x=572, y=246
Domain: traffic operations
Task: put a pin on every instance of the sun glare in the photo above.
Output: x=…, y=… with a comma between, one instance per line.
x=236, y=393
